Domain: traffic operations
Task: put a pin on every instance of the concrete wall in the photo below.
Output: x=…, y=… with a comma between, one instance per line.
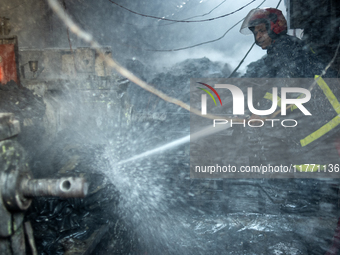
x=56, y=63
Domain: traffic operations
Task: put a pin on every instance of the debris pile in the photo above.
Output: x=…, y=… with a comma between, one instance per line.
x=78, y=226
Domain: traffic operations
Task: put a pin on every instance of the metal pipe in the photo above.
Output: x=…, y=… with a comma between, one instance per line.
x=63, y=187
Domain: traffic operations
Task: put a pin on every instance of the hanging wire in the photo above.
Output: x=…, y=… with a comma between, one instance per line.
x=206, y=42
x=209, y=11
x=238, y=66
x=202, y=15
x=185, y=21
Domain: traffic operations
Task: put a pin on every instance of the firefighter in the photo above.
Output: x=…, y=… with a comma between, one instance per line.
x=288, y=57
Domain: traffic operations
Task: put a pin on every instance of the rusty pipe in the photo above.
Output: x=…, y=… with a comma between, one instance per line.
x=63, y=187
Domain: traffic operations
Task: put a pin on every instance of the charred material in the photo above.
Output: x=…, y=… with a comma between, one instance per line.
x=90, y=225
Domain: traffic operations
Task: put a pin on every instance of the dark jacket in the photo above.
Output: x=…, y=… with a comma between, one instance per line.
x=287, y=57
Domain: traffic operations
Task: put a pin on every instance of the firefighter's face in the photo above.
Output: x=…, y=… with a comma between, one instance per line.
x=262, y=38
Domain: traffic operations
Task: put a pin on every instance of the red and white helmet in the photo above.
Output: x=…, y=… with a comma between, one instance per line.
x=273, y=18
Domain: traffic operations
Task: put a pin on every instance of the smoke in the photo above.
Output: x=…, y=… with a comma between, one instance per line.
x=134, y=36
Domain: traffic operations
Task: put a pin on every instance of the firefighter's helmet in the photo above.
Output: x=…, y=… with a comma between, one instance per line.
x=273, y=19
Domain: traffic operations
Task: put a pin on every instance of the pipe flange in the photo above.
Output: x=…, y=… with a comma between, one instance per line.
x=12, y=195
x=13, y=169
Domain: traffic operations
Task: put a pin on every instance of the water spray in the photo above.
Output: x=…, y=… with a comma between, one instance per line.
x=189, y=138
